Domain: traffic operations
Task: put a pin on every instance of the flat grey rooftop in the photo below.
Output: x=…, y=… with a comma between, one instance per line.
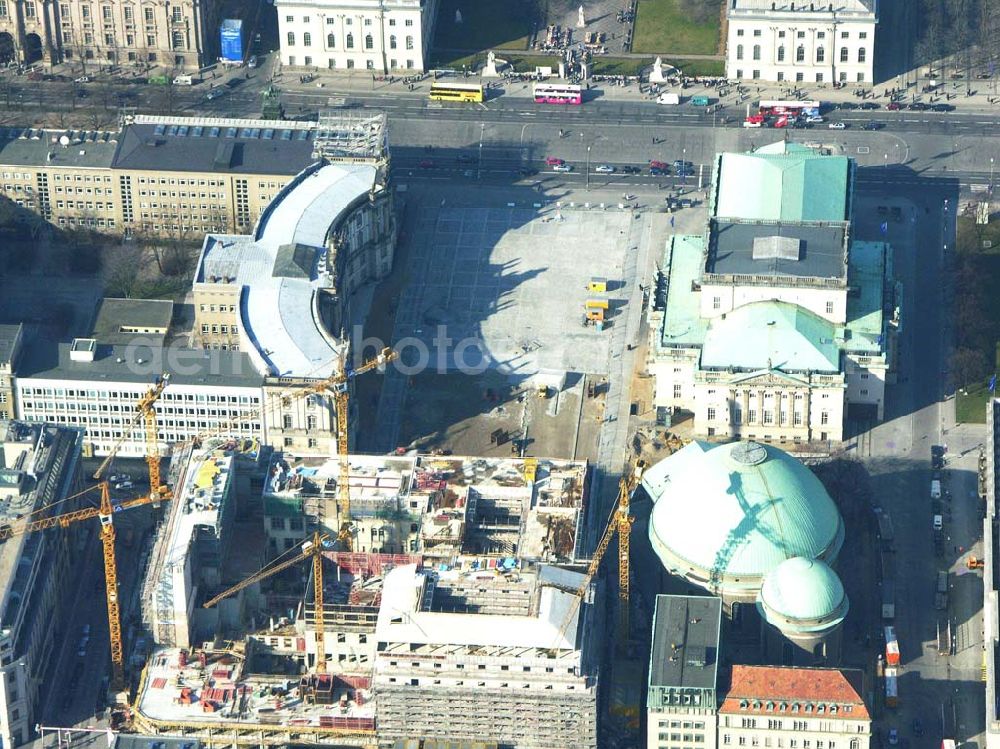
x=43, y=359
x=186, y=145
x=21, y=146
x=821, y=249
x=685, y=642
x=116, y=317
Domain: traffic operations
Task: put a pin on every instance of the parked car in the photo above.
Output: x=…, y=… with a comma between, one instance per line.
x=426, y=164
x=553, y=161
x=631, y=170
x=123, y=485
x=215, y=93
x=837, y=126
x=893, y=106
x=653, y=163
x=919, y=106
x=870, y=105
x=655, y=171
x=561, y=167
x=604, y=169
x=679, y=164
x=943, y=107
x=847, y=106
x=252, y=62
x=525, y=171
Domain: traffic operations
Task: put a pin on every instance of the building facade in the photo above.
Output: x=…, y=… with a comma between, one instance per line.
x=794, y=708
x=683, y=673
x=775, y=324
x=381, y=36
x=179, y=35
x=802, y=41
x=11, y=338
x=39, y=467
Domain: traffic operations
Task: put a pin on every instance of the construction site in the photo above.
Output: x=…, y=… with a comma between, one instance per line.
x=446, y=592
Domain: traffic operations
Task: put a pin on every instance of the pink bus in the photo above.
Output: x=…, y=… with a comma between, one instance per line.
x=558, y=93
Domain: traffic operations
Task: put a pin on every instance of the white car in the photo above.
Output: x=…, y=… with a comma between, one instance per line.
x=82, y=79
x=562, y=168
x=837, y=126
x=604, y=169
x=121, y=485
x=815, y=118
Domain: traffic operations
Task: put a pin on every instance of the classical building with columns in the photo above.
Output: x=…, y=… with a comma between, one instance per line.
x=812, y=42
x=377, y=35
x=175, y=34
x=775, y=323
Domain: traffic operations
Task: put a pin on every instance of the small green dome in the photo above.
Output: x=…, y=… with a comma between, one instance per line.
x=803, y=594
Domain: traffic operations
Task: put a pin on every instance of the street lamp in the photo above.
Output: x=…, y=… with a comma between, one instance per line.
x=482, y=132
x=588, y=164
x=991, y=175
x=886, y=160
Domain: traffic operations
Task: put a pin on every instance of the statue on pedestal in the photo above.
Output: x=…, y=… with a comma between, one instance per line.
x=581, y=21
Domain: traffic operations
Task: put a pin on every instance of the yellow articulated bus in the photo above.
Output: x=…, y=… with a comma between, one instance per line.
x=456, y=92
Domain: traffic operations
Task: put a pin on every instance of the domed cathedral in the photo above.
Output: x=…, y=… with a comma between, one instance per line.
x=751, y=524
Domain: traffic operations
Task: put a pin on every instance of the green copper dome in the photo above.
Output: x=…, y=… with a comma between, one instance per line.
x=804, y=595
x=724, y=516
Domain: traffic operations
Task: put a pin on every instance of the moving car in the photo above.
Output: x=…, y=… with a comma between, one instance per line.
x=426, y=164
x=893, y=737
x=815, y=118
x=252, y=62
x=873, y=125
x=122, y=485
x=837, y=126
x=918, y=728
x=561, y=167
x=553, y=161
x=604, y=169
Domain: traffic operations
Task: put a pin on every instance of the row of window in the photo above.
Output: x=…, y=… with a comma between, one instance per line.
x=802, y=34
x=331, y=40
x=331, y=63
x=224, y=329
x=90, y=221
x=134, y=395
x=221, y=308
x=800, y=53
x=686, y=724
x=687, y=738
x=331, y=20
x=727, y=740
x=800, y=77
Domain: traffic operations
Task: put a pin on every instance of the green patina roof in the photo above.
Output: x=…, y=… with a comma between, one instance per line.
x=783, y=182
x=739, y=508
x=782, y=335
x=866, y=273
x=682, y=324
x=805, y=589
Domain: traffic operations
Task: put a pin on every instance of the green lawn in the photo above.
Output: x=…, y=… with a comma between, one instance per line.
x=485, y=25
x=666, y=27
x=970, y=404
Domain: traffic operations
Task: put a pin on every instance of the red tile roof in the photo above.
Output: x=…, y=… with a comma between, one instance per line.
x=801, y=686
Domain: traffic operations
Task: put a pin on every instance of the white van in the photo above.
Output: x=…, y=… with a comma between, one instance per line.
x=938, y=522
x=935, y=489
x=668, y=99
x=183, y=80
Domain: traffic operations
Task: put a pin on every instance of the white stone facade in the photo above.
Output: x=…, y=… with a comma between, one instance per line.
x=380, y=36
x=817, y=42
x=800, y=730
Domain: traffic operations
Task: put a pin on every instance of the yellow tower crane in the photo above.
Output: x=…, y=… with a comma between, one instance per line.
x=313, y=549
x=104, y=513
x=338, y=383
x=620, y=524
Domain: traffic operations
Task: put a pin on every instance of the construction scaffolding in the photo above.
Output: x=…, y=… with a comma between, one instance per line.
x=350, y=136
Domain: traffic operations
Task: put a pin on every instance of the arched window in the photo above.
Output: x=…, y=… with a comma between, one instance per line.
x=350, y=41
x=331, y=41
x=369, y=42
x=177, y=40
x=862, y=53
x=756, y=51
x=800, y=53
x=843, y=54
x=781, y=53
x=409, y=42
x=820, y=54
x=307, y=39
x=392, y=41
x=739, y=51
x=291, y=38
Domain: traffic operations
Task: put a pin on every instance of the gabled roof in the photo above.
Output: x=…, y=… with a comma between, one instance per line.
x=783, y=182
x=799, y=687
x=771, y=335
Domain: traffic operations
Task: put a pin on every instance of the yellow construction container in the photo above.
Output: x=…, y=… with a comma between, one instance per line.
x=598, y=285
x=596, y=304
x=595, y=313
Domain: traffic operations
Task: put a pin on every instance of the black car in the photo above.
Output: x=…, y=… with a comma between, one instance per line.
x=680, y=164
x=943, y=107
x=870, y=105
x=656, y=172
x=918, y=728
x=937, y=457
x=631, y=170
x=919, y=106
x=527, y=171
x=873, y=125
x=848, y=105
